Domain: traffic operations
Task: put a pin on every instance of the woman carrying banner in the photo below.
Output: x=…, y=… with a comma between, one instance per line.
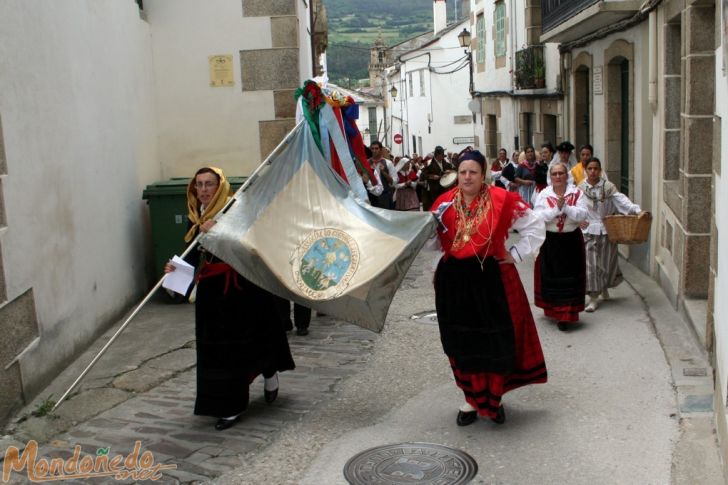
x=238, y=334
x=485, y=321
x=560, y=267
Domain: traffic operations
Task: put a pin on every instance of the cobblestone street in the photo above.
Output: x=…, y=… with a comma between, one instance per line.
x=624, y=403
x=162, y=416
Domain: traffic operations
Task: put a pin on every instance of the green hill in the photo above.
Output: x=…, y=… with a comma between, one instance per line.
x=354, y=25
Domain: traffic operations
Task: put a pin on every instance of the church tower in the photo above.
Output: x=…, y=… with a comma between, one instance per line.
x=378, y=61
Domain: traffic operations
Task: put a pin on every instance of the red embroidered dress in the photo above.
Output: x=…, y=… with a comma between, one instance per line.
x=485, y=321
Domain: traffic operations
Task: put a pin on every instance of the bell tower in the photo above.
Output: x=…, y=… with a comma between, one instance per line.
x=378, y=61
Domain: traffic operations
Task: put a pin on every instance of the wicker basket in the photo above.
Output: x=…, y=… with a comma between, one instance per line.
x=628, y=229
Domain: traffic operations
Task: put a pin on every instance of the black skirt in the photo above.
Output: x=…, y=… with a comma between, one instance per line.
x=240, y=334
x=562, y=268
x=472, y=310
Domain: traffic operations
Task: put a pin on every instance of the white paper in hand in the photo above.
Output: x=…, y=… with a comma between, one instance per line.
x=179, y=280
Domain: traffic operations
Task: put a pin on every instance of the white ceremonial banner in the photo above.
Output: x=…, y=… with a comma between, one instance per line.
x=300, y=232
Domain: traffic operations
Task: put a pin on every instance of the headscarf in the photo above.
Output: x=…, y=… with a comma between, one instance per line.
x=216, y=203
x=474, y=155
x=478, y=158
x=608, y=189
x=401, y=163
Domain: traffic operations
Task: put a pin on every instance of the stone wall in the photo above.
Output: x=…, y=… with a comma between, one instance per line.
x=77, y=147
x=696, y=145
x=275, y=69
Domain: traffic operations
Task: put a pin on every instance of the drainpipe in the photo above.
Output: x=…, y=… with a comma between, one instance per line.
x=514, y=102
x=312, y=23
x=566, y=86
x=652, y=93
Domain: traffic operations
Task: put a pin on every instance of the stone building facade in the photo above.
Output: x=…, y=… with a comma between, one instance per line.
x=273, y=69
x=646, y=84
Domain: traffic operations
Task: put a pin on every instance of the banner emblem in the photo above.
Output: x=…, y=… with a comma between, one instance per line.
x=324, y=263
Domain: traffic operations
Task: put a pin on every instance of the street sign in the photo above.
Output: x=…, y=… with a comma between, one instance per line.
x=398, y=139
x=464, y=140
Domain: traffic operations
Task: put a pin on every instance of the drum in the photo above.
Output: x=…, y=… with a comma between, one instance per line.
x=449, y=179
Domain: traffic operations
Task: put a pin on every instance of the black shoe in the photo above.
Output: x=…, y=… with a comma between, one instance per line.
x=500, y=417
x=223, y=423
x=302, y=332
x=270, y=396
x=563, y=326
x=466, y=418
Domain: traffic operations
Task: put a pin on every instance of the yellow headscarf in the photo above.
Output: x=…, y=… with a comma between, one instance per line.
x=216, y=203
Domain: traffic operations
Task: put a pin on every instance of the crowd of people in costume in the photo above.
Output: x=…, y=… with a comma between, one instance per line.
x=557, y=206
x=554, y=203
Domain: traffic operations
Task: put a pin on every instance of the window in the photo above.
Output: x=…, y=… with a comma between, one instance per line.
x=411, y=86
x=528, y=128
x=549, y=128
x=422, y=83
x=373, y=132
x=491, y=136
x=500, y=29
x=480, y=35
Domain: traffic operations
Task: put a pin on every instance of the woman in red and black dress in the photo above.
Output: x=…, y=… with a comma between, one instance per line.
x=486, y=326
x=560, y=271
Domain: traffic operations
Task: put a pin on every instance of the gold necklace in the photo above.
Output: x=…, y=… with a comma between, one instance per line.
x=488, y=241
x=468, y=222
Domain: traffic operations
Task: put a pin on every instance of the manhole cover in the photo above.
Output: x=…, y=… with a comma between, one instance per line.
x=429, y=317
x=406, y=463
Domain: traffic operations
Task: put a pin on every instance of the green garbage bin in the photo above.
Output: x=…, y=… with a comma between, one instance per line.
x=167, y=202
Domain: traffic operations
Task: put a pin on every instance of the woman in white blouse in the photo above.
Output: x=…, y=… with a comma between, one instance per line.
x=559, y=272
x=603, y=199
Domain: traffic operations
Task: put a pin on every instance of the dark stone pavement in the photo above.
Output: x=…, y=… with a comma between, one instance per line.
x=161, y=417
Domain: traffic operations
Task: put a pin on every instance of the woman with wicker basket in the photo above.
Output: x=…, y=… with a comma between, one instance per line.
x=559, y=272
x=603, y=199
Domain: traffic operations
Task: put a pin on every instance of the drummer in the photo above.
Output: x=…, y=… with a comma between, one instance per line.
x=431, y=175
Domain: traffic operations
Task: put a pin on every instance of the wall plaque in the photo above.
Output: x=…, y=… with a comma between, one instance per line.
x=597, y=81
x=221, y=70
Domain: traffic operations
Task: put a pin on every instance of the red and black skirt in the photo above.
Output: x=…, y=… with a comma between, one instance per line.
x=487, y=330
x=560, y=276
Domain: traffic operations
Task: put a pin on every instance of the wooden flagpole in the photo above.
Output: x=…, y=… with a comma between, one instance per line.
x=151, y=293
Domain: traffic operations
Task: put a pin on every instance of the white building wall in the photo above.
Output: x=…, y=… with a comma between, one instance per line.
x=200, y=124
x=431, y=115
x=77, y=109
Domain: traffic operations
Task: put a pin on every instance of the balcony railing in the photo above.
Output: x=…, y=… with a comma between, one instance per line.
x=554, y=12
x=530, y=68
